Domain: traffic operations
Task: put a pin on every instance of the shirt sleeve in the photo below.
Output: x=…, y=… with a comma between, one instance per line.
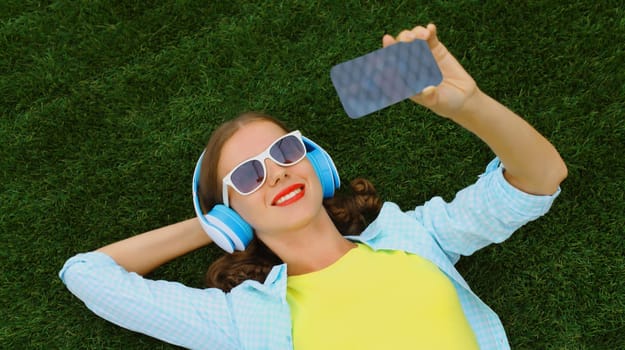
x=170, y=311
x=488, y=211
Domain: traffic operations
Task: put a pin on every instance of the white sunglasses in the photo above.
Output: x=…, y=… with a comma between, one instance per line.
x=249, y=175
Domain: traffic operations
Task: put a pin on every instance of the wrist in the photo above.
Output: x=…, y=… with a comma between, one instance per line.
x=472, y=107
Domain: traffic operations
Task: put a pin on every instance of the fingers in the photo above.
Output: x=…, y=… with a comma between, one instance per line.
x=433, y=37
x=419, y=32
x=388, y=40
x=406, y=36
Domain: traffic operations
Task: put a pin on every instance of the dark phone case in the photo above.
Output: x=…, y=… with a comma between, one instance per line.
x=384, y=77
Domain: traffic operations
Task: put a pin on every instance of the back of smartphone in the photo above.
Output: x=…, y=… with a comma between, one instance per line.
x=384, y=77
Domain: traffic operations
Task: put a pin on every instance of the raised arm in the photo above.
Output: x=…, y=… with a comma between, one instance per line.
x=531, y=162
x=170, y=311
x=147, y=251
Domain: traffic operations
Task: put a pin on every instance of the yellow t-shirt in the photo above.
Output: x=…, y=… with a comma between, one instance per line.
x=377, y=300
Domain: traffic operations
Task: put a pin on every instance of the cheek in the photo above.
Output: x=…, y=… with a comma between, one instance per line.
x=246, y=206
x=313, y=179
x=304, y=169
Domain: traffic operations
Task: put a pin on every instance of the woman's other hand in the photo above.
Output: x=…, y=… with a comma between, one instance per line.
x=450, y=97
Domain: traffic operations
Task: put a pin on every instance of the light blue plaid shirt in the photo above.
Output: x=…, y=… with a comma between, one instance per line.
x=256, y=315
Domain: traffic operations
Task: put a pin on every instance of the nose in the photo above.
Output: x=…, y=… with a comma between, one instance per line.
x=275, y=172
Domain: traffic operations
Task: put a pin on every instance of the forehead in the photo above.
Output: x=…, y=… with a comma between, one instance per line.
x=247, y=142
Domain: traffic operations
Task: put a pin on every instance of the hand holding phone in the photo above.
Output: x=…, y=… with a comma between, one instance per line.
x=384, y=77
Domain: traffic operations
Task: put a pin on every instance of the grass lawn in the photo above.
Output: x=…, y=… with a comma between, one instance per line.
x=106, y=105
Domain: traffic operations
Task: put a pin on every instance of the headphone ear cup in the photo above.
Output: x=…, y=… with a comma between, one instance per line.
x=232, y=225
x=223, y=225
x=218, y=237
x=324, y=167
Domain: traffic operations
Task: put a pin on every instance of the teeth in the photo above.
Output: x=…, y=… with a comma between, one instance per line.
x=288, y=196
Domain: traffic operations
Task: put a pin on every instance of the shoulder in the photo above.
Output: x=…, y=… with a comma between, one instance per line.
x=394, y=228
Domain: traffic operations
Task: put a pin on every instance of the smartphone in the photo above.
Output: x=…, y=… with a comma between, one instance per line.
x=384, y=77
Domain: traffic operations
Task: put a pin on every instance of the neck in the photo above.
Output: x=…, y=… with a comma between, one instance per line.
x=310, y=248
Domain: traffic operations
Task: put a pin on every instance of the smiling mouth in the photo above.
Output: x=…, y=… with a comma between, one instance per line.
x=289, y=195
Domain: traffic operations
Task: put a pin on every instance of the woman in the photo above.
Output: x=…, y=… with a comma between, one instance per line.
x=301, y=284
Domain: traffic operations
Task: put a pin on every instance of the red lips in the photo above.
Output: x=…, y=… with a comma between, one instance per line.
x=289, y=195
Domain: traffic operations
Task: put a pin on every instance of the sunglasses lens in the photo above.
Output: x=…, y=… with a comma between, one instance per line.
x=288, y=150
x=248, y=176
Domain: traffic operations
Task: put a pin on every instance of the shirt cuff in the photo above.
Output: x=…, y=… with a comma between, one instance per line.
x=524, y=203
x=93, y=258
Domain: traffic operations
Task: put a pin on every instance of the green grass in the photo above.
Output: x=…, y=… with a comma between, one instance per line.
x=106, y=105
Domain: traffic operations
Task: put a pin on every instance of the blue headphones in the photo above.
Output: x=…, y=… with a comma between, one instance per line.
x=228, y=229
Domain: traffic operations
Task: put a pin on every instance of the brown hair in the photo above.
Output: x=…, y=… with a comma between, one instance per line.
x=350, y=212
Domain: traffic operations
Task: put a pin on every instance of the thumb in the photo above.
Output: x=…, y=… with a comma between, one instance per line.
x=388, y=40
x=428, y=97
